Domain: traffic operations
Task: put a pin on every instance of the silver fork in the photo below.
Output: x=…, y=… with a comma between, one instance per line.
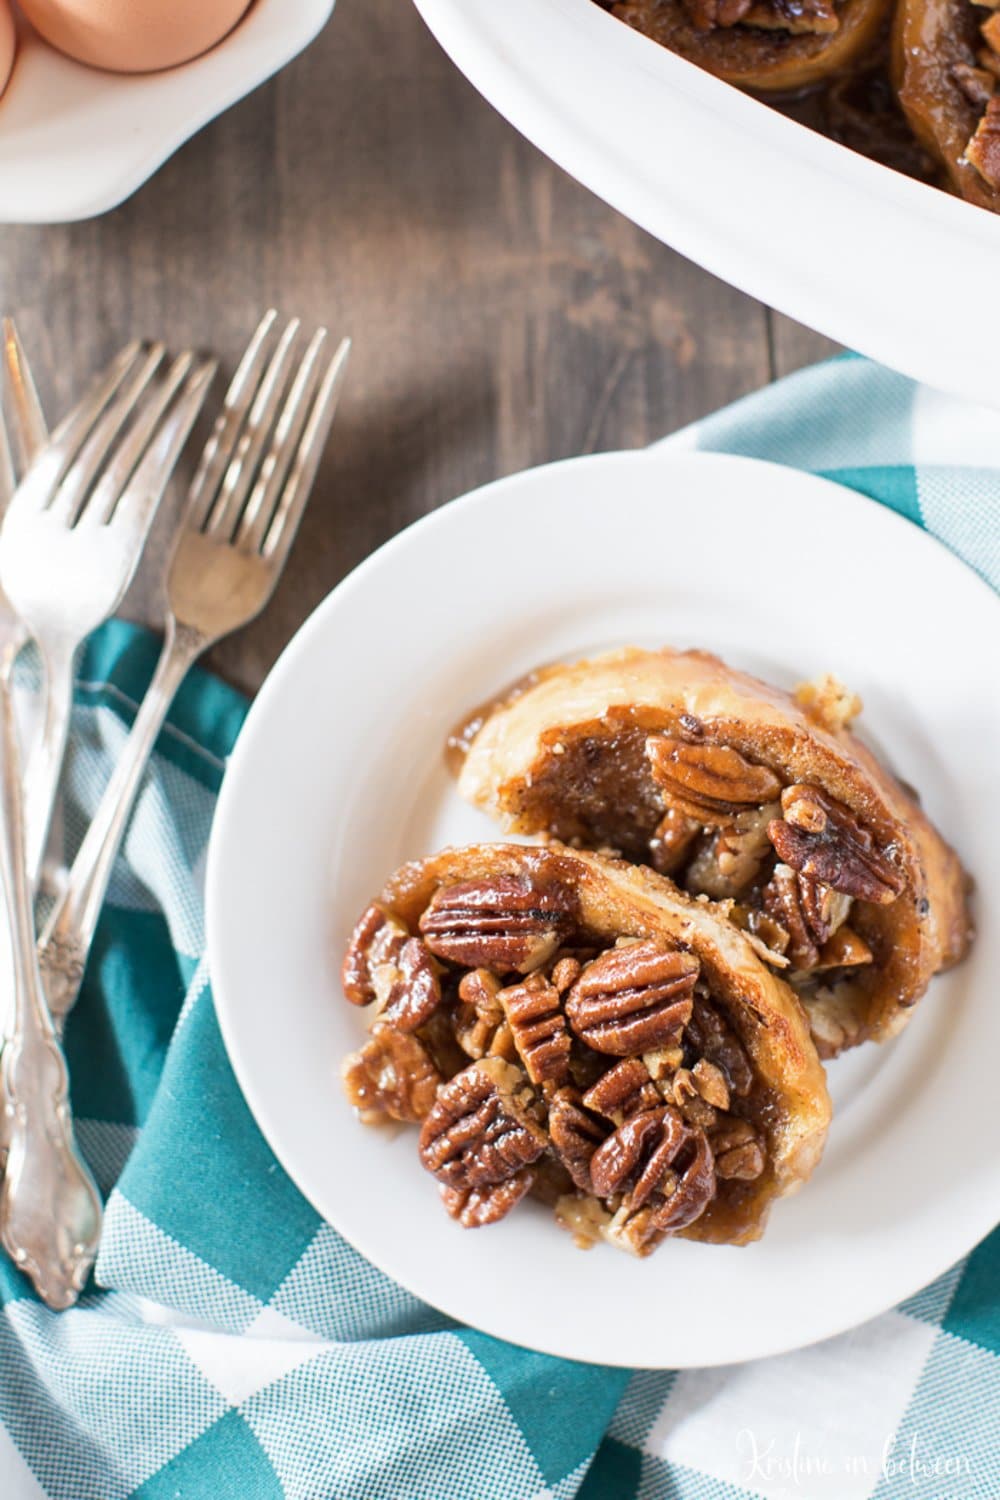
x=75, y=529
x=243, y=511
x=94, y=469
x=28, y=419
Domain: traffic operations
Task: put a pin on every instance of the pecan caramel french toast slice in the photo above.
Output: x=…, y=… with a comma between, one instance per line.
x=597, y=1039
x=750, y=796
x=946, y=73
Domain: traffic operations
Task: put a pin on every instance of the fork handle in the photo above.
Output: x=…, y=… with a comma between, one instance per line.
x=50, y=1211
x=48, y=752
x=65, y=944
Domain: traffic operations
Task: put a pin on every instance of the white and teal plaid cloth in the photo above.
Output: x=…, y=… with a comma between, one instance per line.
x=233, y=1345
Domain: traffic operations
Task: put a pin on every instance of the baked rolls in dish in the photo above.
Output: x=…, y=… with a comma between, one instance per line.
x=946, y=66
x=574, y=1027
x=766, y=45
x=747, y=795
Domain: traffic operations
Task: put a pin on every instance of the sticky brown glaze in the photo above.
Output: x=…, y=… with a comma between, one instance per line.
x=566, y=759
x=789, y=1100
x=931, y=39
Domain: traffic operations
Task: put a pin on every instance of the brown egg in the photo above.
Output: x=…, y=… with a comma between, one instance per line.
x=133, y=36
x=8, y=43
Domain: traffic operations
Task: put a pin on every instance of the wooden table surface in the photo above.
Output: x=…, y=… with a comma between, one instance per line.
x=502, y=316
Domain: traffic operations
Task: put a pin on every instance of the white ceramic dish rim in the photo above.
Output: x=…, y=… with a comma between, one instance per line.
x=842, y=244
x=949, y=1246
x=126, y=126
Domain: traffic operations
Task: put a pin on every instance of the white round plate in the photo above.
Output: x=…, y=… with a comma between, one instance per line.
x=75, y=141
x=338, y=778
x=839, y=242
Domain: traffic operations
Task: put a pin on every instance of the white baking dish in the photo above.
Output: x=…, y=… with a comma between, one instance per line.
x=891, y=267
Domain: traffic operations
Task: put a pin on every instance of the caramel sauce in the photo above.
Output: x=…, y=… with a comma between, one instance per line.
x=858, y=109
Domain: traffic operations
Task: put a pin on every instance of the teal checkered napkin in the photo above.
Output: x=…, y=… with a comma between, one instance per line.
x=233, y=1345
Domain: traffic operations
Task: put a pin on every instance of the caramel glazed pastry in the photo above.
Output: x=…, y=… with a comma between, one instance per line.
x=946, y=69
x=764, y=802
x=770, y=46
x=573, y=1027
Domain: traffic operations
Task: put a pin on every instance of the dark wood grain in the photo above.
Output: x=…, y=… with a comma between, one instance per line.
x=502, y=316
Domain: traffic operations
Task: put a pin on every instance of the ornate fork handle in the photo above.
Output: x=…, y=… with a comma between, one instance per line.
x=50, y=1211
x=46, y=758
x=66, y=941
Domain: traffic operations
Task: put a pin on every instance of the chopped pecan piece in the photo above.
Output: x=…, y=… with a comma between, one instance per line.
x=391, y=1077
x=673, y=841
x=664, y=1170
x=688, y=1099
x=506, y=923
x=844, y=950
x=742, y=846
x=480, y=989
x=742, y=1163
x=739, y=1154
x=626, y=1089
x=731, y=1132
x=538, y=1027
x=825, y=908
x=472, y=1033
x=566, y=973
x=711, y=1083
x=709, y=1035
x=475, y=1207
x=372, y=955
x=834, y=1020
x=479, y=1131
x=984, y=149
x=781, y=902
x=821, y=838
x=480, y=1014
x=584, y=1216
x=633, y=998
x=767, y=937
x=662, y=1063
x=575, y=1135
x=807, y=910
x=502, y=1044
x=478, y=1038
x=730, y=859
x=708, y=782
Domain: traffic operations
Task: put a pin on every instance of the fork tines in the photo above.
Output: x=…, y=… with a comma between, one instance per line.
x=260, y=462
x=92, y=458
